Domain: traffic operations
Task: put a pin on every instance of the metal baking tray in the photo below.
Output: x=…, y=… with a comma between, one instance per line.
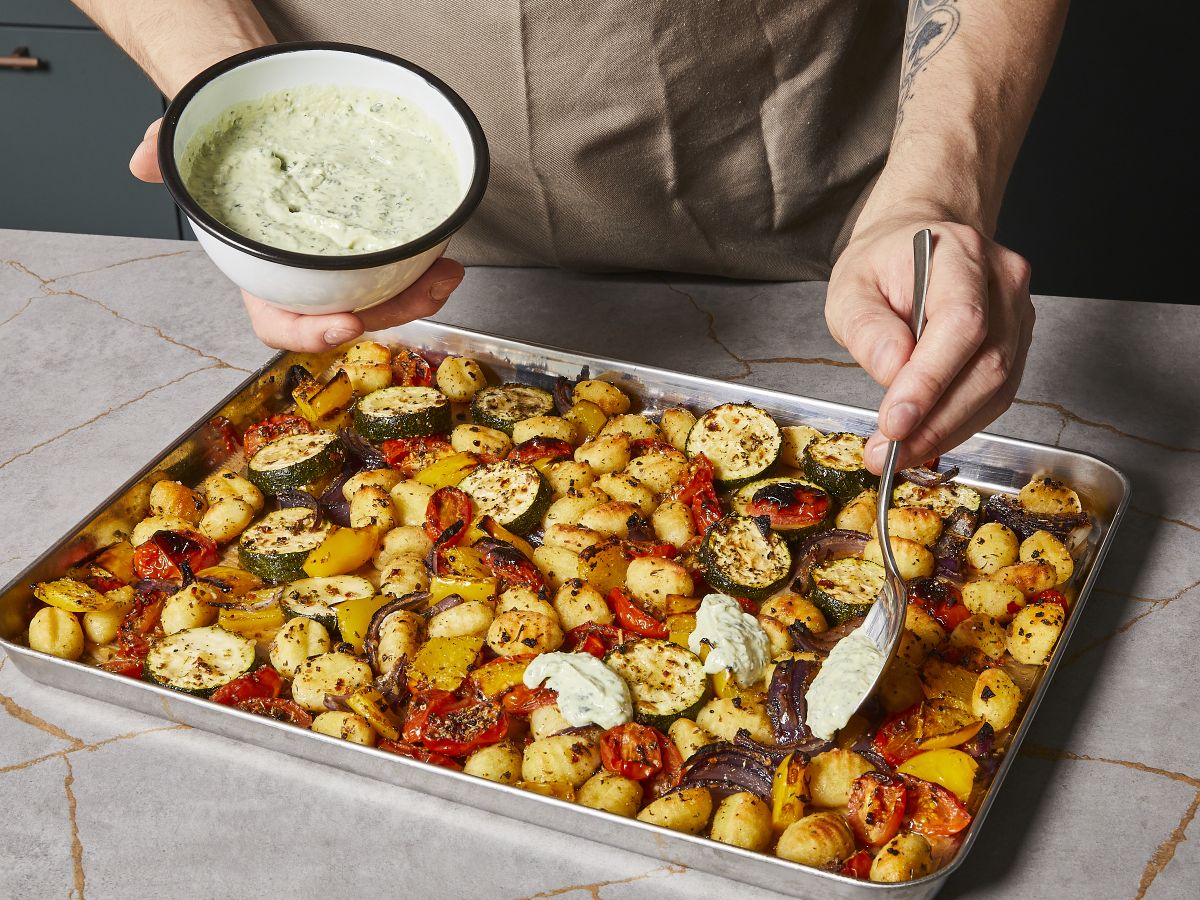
x=987, y=462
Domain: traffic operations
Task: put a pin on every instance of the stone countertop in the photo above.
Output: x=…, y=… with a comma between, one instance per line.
x=102, y=802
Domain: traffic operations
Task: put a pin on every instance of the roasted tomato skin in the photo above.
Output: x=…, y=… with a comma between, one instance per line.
x=279, y=709
x=413, y=751
x=632, y=617
x=593, y=638
x=858, y=865
x=411, y=369
x=447, y=506
x=877, y=806
x=697, y=490
x=933, y=810
x=632, y=750
x=896, y=739
x=940, y=599
x=445, y=725
x=521, y=700
x=163, y=556
x=539, y=448
x=792, y=506
x=263, y=683
x=271, y=429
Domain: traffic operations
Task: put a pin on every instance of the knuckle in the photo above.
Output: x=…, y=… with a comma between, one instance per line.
x=994, y=365
x=969, y=321
x=1019, y=270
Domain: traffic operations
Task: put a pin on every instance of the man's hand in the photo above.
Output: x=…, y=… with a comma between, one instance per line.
x=285, y=330
x=979, y=325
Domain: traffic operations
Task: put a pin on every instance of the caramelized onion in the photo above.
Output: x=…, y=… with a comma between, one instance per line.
x=820, y=548
x=408, y=602
x=1005, y=509
x=926, y=477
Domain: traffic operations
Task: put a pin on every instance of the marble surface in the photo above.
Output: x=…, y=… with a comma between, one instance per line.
x=109, y=347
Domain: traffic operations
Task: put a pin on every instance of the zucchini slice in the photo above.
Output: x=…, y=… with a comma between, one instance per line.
x=739, y=439
x=275, y=547
x=294, y=461
x=796, y=508
x=402, y=412
x=835, y=463
x=846, y=588
x=513, y=494
x=943, y=499
x=740, y=556
x=504, y=406
x=314, y=598
x=666, y=681
x=199, y=660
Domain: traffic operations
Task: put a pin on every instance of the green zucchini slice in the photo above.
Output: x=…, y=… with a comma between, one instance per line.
x=739, y=439
x=666, y=681
x=402, y=412
x=835, y=463
x=742, y=557
x=314, y=598
x=504, y=406
x=513, y=494
x=943, y=499
x=199, y=660
x=275, y=547
x=796, y=508
x=846, y=588
x=294, y=461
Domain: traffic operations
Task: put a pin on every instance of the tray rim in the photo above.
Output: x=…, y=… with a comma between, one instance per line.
x=925, y=886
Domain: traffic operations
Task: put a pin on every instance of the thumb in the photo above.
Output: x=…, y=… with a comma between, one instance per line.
x=144, y=162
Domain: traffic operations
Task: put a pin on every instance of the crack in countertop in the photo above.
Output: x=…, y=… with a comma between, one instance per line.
x=118, y=264
x=1091, y=423
x=1162, y=518
x=76, y=843
x=89, y=748
x=1156, y=604
x=29, y=717
x=594, y=888
x=711, y=324
x=106, y=412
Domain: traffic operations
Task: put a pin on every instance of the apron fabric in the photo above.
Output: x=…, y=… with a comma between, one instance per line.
x=718, y=137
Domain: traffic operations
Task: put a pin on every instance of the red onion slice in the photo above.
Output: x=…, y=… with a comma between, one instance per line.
x=822, y=547
x=408, y=602
x=925, y=477
x=1006, y=510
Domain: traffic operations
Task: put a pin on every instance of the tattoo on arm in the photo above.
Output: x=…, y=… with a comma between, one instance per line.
x=931, y=25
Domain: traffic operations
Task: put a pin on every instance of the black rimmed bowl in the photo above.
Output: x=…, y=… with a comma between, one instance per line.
x=305, y=282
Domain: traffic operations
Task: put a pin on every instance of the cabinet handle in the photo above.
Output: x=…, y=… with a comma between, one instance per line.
x=20, y=59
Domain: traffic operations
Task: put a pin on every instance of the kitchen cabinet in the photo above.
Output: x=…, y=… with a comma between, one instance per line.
x=69, y=124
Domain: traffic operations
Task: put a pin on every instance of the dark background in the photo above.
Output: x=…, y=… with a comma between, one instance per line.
x=1104, y=196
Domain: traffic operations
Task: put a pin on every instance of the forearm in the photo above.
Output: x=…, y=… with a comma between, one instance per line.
x=172, y=40
x=971, y=75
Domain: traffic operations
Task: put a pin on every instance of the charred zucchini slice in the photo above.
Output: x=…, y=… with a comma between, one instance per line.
x=667, y=682
x=739, y=439
x=943, y=499
x=513, y=494
x=846, y=588
x=504, y=406
x=795, y=508
x=835, y=463
x=294, y=461
x=199, y=660
x=743, y=557
x=402, y=412
x=315, y=598
x=275, y=547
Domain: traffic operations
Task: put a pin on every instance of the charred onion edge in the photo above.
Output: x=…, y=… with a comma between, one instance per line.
x=264, y=603
x=360, y=450
x=408, y=602
x=820, y=548
x=787, y=707
x=728, y=767
x=925, y=477
x=448, y=602
x=1005, y=509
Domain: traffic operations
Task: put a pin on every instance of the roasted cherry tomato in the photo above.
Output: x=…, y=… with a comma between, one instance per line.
x=639, y=549
x=593, y=638
x=510, y=564
x=412, y=751
x=163, y=556
x=522, y=700
x=410, y=369
x=790, y=505
x=896, y=739
x=278, y=709
x=141, y=619
x=632, y=617
x=220, y=440
x=670, y=775
x=130, y=667
x=642, y=446
x=858, y=865
x=940, y=599
x=540, y=448
x=877, y=806
x=412, y=453
x=1052, y=596
x=273, y=428
x=261, y=684
x=447, y=506
x=748, y=605
x=934, y=810
x=696, y=489
x=633, y=751
x=444, y=724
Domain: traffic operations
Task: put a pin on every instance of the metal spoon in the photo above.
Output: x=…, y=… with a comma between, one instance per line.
x=855, y=665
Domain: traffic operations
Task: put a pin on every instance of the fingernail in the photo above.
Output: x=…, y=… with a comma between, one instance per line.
x=885, y=359
x=902, y=419
x=440, y=290
x=335, y=336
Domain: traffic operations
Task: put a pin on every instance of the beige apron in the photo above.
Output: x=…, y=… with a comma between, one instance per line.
x=725, y=137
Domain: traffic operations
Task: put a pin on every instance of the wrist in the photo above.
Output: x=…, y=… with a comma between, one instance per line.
x=953, y=188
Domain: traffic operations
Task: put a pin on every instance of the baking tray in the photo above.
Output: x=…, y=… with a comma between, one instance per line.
x=987, y=462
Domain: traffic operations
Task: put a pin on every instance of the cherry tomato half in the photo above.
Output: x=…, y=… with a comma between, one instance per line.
x=130, y=667
x=640, y=549
x=934, y=810
x=220, y=440
x=261, y=684
x=632, y=617
x=521, y=700
x=410, y=454
x=896, y=739
x=444, y=724
x=447, y=506
x=540, y=448
x=877, y=806
x=278, y=709
x=670, y=775
x=1052, y=596
x=858, y=865
x=593, y=638
x=632, y=750
x=696, y=489
x=273, y=428
x=790, y=505
x=510, y=564
x=411, y=369
x=162, y=556
x=940, y=599
x=412, y=751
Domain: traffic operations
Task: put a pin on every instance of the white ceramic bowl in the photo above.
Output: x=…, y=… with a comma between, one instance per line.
x=306, y=282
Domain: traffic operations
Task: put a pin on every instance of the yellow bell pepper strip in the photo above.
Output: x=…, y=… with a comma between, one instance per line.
x=343, y=550
x=725, y=685
x=118, y=559
x=72, y=596
x=943, y=679
x=369, y=704
x=463, y=562
x=443, y=662
x=232, y=582
x=486, y=526
x=789, y=792
x=587, y=419
x=945, y=722
x=354, y=618
x=952, y=769
x=442, y=586
x=249, y=622
x=500, y=675
x=327, y=405
x=448, y=471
